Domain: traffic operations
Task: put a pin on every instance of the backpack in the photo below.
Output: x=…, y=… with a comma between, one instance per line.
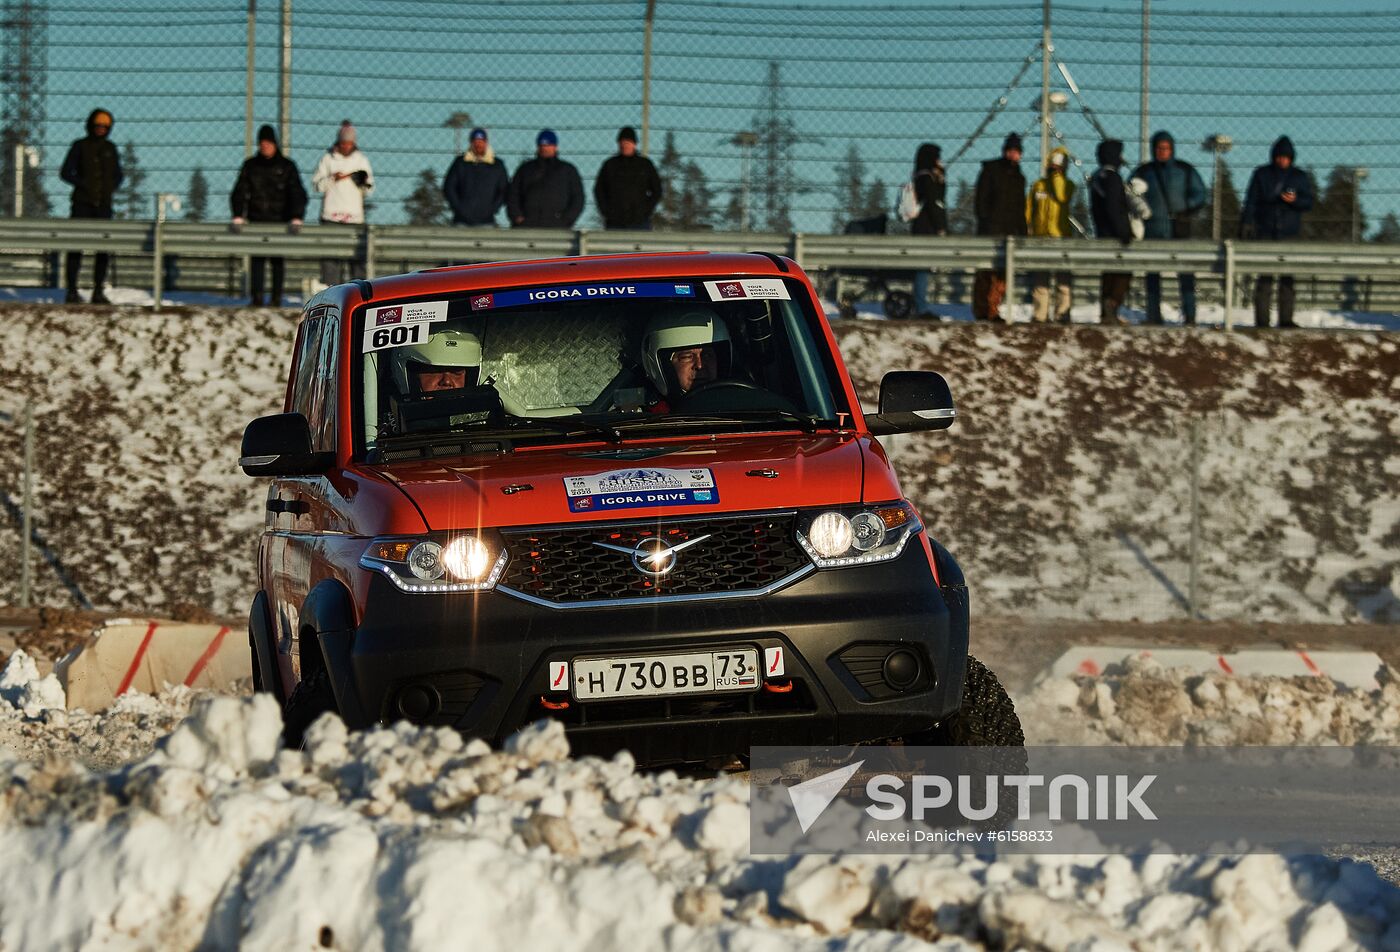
x=909, y=207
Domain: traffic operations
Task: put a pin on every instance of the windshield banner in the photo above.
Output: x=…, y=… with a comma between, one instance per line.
x=584, y=292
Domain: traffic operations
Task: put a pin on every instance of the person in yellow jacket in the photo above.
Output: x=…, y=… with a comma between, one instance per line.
x=1047, y=216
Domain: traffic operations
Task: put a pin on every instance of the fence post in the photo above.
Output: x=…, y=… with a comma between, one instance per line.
x=1192, y=589
x=27, y=498
x=1229, y=283
x=1010, y=298
x=156, y=276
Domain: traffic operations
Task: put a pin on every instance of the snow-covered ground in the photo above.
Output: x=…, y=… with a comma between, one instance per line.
x=409, y=838
x=1064, y=489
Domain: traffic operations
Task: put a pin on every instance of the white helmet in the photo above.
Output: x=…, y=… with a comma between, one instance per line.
x=454, y=349
x=684, y=327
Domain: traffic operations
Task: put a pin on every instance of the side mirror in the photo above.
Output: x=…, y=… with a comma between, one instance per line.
x=912, y=400
x=280, y=445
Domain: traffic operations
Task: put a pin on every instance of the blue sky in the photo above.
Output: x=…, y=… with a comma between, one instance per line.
x=883, y=76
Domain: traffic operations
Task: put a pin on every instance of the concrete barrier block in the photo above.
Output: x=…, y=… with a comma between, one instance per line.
x=146, y=655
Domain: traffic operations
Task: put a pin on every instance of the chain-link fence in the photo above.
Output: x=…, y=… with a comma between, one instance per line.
x=762, y=114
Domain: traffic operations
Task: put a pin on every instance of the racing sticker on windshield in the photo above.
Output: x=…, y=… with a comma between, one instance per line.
x=584, y=292
x=767, y=289
x=407, y=313
x=395, y=335
x=638, y=488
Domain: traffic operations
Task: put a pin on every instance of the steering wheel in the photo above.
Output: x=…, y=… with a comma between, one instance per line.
x=710, y=386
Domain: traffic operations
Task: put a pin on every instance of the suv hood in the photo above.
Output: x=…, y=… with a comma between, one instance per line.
x=634, y=481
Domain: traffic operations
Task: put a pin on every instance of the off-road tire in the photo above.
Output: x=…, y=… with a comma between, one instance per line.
x=311, y=698
x=987, y=716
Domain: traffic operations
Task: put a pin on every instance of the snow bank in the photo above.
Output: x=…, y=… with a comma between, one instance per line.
x=410, y=838
x=1141, y=702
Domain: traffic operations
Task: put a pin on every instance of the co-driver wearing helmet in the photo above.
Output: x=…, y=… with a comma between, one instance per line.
x=683, y=349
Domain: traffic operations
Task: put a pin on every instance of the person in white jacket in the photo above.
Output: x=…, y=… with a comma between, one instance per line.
x=343, y=176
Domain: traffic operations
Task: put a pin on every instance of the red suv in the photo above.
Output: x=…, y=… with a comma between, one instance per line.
x=635, y=493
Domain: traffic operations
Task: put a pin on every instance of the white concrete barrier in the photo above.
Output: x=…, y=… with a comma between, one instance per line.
x=1355, y=669
x=125, y=655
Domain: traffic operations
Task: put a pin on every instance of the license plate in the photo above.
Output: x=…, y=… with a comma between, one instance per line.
x=697, y=672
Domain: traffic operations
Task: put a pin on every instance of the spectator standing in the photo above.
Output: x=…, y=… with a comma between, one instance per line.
x=1047, y=216
x=268, y=189
x=342, y=176
x=1175, y=192
x=627, y=188
x=546, y=191
x=1109, y=207
x=999, y=199
x=94, y=170
x=476, y=183
x=1278, y=195
x=931, y=191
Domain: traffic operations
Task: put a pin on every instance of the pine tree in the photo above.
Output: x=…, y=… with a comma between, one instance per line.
x=670, y=170
x=962, y=216
x=131, y=199
x=425, y=204
x=1229, y=207
x=1388, y=232
x=197, y=196
x=733, y=219
x=1335, y=208
x=697, y=199
x=877, y=199
x=849, y=190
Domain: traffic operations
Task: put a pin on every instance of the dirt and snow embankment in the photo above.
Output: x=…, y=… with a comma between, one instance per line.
x=1143, y=703
x=409, y=838
x=1064, y=488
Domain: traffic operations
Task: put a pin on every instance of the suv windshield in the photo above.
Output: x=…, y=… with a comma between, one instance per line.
x=594, y=360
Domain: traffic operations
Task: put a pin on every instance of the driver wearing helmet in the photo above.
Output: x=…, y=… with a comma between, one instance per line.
x=683, y=349
x=447, y=360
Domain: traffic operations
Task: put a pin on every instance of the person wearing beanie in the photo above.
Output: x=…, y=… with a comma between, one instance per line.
x=476, y=183
x=94, y=169
x=628, y=187
x=268, y=189
x=343, y=177
x=1175, y=193
x=1047, y=216
x=931, y=191
x=546, y=191
x=1278, y=195
x=999, y=200
x=1109, y=207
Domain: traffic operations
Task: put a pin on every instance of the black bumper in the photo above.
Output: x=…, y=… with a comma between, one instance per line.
x=479, y=662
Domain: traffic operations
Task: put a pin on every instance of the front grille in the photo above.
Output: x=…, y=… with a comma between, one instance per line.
x=563, y=565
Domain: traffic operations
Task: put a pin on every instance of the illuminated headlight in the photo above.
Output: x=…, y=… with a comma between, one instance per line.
x=858, y=537
x=440, y=563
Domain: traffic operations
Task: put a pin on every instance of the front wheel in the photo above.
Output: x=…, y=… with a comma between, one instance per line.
x=311, y=698
x=987, y=716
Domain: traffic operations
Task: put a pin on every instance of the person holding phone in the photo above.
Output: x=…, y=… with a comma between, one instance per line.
x=1278, y=195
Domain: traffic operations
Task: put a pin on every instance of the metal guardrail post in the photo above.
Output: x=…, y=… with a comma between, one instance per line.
x=798, y=251
x=1010, y=298
x=581, y=242
x=1229, y=284
x=371, y=265
x=156, y=275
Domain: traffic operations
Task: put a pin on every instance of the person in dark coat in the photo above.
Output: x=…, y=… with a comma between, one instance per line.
x=476, y=183
x=94, y=170
x=268, y=189
x=1108, y=205
x=1000, y=203
x=931, y=189
x=1278, y=195
x=627, y=188
x=1175, y=193
x=546, y=191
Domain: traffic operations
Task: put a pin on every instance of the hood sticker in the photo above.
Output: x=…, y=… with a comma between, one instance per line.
x=640, y=488
x=765, y=289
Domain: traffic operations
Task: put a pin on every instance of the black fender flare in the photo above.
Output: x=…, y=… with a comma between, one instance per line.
x=329, y=612
x=952, y=585
x=262, y=639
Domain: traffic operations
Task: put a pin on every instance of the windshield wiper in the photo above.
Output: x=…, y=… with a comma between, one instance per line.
x=566, y=425
x=806, y=421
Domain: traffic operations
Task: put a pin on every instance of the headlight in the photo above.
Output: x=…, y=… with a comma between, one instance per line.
x=857, y=537
x=443, y=562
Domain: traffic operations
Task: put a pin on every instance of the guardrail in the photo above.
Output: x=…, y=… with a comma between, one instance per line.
x=393, y=248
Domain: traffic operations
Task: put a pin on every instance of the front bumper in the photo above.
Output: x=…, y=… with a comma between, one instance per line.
x=481, y=662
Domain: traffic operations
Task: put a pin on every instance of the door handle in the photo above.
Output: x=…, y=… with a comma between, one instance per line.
x=294, y=506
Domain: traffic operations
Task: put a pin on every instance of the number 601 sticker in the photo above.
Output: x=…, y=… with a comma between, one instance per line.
x=395, y=335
